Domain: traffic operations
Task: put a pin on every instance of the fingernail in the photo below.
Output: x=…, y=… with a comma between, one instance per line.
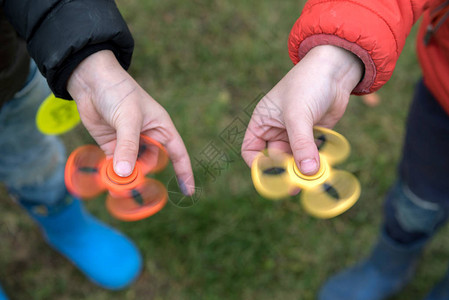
x=123, y=168
x=182, y=186
x=308, y=166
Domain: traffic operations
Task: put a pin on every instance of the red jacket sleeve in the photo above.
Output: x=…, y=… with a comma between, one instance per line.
x=374, y=30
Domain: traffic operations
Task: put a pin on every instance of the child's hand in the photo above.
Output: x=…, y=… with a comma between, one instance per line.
x=315, y=92
x=116, y=110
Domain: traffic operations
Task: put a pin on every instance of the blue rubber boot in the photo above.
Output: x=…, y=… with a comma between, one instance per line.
x=441, y=290
x=104, y=255
x=2, y=294
x=385, y=272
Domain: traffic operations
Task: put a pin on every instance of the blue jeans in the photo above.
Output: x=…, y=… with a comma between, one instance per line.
x=418, y=204
x=31, y=164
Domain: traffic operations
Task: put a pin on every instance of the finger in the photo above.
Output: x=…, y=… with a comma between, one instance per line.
x=302, y=143
x=281, y=146
x=252, y=144
x=295, y=191
x=127, y=147
x=181, y=162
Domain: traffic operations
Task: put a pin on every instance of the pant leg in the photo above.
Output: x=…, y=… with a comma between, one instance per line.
x=31, y=164
x=418, y=204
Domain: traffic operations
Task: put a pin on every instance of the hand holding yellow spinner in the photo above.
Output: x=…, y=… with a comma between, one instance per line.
x=326, y=194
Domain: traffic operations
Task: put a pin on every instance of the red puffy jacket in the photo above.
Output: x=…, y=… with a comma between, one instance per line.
x=375, y=30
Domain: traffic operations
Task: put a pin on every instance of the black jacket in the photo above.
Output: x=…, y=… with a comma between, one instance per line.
x=14, y=61
x=59, y=34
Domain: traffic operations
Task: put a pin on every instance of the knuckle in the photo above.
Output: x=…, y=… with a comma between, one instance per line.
x=301, y=143
x=128, y=145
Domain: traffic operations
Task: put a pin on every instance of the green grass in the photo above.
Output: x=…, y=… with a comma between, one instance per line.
x=205, y=61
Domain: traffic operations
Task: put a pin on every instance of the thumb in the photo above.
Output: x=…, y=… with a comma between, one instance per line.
x=127, y=146
x=302, y=142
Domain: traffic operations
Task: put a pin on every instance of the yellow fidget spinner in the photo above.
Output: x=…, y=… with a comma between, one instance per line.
x=56, y=116
x=326, y=194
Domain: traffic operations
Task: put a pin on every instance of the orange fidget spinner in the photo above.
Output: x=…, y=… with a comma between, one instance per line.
x=89, y=173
